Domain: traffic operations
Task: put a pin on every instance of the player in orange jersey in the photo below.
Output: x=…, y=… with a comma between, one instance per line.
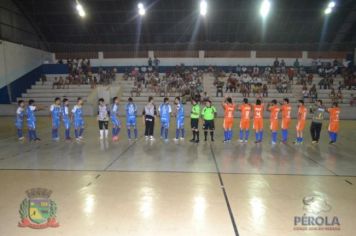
x=302, y=116
x=274, y=109
x=258, y=120
x=245, y=110
x=334, y=113
x=286, y=117
x=229, y=109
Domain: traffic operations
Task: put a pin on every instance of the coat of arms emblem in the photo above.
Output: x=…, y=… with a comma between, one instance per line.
x=38, y=211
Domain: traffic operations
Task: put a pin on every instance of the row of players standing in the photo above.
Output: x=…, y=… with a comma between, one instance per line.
x=60, y=109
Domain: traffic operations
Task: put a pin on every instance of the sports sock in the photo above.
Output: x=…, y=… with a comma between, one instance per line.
x=135, y=132
x=242, y=134
x=129, y=133
x=247, y=134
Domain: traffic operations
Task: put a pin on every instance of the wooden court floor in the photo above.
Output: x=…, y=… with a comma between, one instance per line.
x=157, y=188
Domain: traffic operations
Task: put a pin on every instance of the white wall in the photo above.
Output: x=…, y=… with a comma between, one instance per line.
x=17, y=60
x=199, y=61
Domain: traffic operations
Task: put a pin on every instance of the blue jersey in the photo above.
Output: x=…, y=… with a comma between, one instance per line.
x=180, y=111
x=78, y=116
x=114, y=111
x=65, y=113
x=165, y=112
x=56, y=112
x=20, y=114
x=131, y=111
x=31, y=117
x=65, y=116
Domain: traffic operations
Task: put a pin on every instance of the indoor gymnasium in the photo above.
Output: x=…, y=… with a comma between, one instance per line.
x=178, y=117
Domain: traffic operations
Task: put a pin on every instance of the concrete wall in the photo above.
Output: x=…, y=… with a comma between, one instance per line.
x=16, y=60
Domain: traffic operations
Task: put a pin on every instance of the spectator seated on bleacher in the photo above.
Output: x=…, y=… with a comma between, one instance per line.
x=313, y=93
x=265, y=90
x=352, y=100
x=43, y=79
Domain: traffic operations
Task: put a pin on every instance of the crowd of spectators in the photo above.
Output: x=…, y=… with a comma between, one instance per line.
x=183, y=81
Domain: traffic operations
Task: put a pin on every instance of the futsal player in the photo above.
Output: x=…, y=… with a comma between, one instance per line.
x=245, y=110
x=66, y=118
x=274, y=109
x=31, y=120
x=179, y=113
x=149, y=113
x=208, y=113
x=103, y=119
x=302, y=116
x=55, y=110
x=20, y=114
x=258, y=120
x=334, y=114
x=286, y=118
x=229, y=109
x=131, y=112
x=164, y=112
x=116, y=124
x=77, y=117
x=318, y=111
x=194, y=121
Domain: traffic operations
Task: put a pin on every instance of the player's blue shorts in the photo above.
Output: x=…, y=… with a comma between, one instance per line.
x=56, y=123
x=79, y=123
x=165, y=123
x=66, y=123
x=31, y=124
x=180, y=123
x=19, y=124
x=115, y=122
x=131, y=122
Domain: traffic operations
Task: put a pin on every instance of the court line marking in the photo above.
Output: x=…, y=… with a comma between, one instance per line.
x=232, y=218
x=174, y=171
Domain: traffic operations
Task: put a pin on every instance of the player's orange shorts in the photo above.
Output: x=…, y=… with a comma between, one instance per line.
x=274, y=125
x=258, y=124
x=244, y=124
x=333, y=127
x=228, y=122
x=300, y=125
x=285, y=123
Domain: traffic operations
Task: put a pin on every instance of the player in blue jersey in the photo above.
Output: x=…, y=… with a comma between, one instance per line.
x=55, y=110
x=165, y=110
x=20, y=114
x=77, y=117
x=66, y=118
x=179, y=113
x=116, y=124
x=31, y=120
x=131, y=112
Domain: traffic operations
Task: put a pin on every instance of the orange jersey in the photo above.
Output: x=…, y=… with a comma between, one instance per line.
x=334, y=114
x=302, y=116
x=245, y=111
x=274, y=117
x=257, y=112
x=286, y=115
x=302, y=113
x=229, y=110
x=258, y=117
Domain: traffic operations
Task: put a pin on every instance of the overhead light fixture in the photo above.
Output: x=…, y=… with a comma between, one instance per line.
x=331, y=4
x=327, y=11
x=265, y=8
x=80, y=10
x=203, y=8
x=329, y=8
x=141, y=9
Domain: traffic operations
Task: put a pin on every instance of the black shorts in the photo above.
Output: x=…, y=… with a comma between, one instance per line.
x=103, y=124
x=194, y=123
x=209, y=125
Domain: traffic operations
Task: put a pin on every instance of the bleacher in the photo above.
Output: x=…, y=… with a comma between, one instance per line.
x=43, y=94
x=294, y=95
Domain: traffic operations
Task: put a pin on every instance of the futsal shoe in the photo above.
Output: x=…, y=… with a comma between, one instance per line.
x=37, y=139
x=152, y=138
x=332, y=142
x=176, y=140
x=240, y=141
x=192, y=140
x=22, y=138
x=182, y=139
x=273, y=143
x=115, y=138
